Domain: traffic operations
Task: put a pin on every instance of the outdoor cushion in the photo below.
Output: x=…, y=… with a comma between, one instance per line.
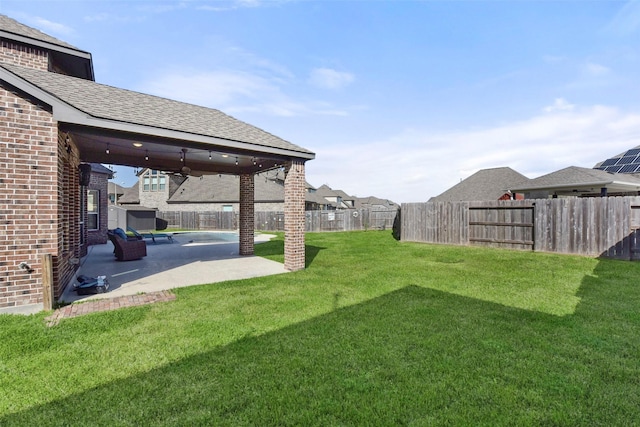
x=126, y=250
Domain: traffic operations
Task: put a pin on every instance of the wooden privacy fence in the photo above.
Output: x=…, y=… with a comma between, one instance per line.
x=597, y=226
x=341, y=220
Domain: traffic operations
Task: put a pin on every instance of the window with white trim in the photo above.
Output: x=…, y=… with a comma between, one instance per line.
x=93, y=209
x=153, y=180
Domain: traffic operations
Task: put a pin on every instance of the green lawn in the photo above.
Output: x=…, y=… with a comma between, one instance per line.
x=373, y=332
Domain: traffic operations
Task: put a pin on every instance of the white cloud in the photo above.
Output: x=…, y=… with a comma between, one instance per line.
x=415, y=165
x=559, y=104
x=233, y=92
x=596, y=69
x=47, y=26
x=327, y=78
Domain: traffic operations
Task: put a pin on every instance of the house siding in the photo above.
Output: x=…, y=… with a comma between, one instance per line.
x=28, y=193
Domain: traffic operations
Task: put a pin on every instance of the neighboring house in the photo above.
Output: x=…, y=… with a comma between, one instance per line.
x=56, y=119
x=168, y=193
x=115, y=192
x=96, y=222
x=485, y=185
x=337, y=199
x=575, y=181
x=374, y=203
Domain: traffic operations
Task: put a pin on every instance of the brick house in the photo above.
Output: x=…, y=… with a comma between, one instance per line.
x=56, y=118
x=96, y=214
x=218, y=193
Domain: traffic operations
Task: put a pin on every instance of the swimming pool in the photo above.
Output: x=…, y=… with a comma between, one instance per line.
x=185, y=237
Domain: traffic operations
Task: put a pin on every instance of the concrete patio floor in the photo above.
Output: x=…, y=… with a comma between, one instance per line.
x=193, y=258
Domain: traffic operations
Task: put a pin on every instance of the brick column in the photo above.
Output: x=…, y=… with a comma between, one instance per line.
x=294, y=216
x=247, y=207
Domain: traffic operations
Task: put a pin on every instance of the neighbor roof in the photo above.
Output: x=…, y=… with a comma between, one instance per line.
x=486, y=184
x=98, y=168
x=574, y=178
x=225, y=189
x=627, y=162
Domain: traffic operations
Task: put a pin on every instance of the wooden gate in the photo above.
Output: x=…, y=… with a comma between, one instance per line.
x=504, y=225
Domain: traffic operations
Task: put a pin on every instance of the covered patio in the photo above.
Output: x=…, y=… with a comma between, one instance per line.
x=194, y=258
x=58, y=120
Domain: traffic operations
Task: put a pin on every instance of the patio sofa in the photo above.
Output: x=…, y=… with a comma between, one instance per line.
x=127, y=250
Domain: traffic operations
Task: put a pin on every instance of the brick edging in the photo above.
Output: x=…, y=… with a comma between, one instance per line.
x=108, y=304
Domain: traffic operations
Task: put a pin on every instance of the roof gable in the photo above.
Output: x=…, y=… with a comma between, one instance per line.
x=112, y=104
x=486, y=184
x=11, y=26
x=63, y=57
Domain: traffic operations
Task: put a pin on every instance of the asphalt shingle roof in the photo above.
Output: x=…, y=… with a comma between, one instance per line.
x=226, y=188
x=107, y=102
x=486, y=184
x=574, y=175
x=12, y=26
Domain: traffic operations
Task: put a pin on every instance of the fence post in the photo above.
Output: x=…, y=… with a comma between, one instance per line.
x=47, y=281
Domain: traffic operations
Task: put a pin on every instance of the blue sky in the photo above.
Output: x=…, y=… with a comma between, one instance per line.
x=398, y=99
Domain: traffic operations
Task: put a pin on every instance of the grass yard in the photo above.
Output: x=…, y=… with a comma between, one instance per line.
x=373, y=332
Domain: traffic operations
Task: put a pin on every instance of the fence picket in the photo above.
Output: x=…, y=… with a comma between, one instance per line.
x=586, y=226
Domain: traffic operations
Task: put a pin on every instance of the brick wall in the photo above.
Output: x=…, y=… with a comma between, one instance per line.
x=23, y=55
x=69, y=211
x=99, y=182
x=28, y=195
x=247, y=194
x=294, y=216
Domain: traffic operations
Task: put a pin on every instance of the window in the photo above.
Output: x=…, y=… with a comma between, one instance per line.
x=227, y=208
x=93, y=209
x=153, y=180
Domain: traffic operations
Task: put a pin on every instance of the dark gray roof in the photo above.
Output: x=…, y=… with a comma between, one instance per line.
x=12, y=26
x=98, y=168
x=130, y=195
x=325, y=191
x=374, y=202
x=484, y=185
x=121, y=105
x=225, y=189
x=574, y=177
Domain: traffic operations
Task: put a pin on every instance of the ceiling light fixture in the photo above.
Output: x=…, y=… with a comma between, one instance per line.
x=137, y=144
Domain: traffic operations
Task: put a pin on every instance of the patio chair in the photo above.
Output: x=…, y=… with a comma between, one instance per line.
x=127, y=250
x=150, y=235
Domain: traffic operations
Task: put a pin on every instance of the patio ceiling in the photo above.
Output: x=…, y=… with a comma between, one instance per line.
x=189, y=157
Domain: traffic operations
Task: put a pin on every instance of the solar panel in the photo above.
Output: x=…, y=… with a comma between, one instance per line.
x=625, y=160
x=613, y=169
x=632, y=151
x=608, y=162
x=629, y=168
